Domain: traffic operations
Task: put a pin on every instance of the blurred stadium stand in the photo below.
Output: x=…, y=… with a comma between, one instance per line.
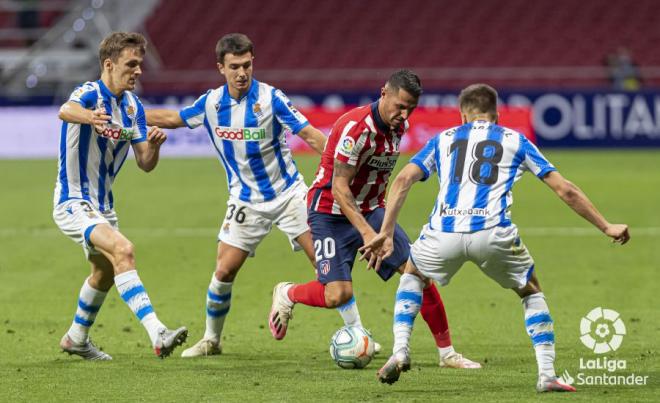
x=308, y=45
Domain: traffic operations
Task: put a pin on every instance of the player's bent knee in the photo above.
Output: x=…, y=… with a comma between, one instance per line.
x=124, y=251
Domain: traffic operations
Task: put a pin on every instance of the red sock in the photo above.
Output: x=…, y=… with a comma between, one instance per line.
x=311, y=294
x=433, y=312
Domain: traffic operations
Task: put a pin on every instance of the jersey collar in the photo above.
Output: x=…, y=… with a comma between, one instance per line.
x=251, y=92
x=107, y=93
x=380, y=124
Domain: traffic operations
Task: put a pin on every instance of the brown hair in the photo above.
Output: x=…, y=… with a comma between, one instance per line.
x=237, y=44
x=407, y=80
x=113, y=44
x=478, y=98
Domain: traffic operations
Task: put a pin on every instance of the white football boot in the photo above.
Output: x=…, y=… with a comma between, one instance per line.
x=280, y=312
x=168, y=340
x=390, y=372
x=552, y=384
x=86, y=350
x=456, y=360
x=202, y=348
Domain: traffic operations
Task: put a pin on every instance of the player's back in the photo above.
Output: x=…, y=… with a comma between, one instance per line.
x=477, y=164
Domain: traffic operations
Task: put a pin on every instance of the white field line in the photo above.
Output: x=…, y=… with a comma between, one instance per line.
x=157, y=232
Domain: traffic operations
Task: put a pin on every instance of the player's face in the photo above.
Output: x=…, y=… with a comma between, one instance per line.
x=397, y=106
x=237, y=70
x=125, y=72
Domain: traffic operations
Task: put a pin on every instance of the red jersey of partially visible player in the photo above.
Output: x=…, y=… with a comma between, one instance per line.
x=359, y=138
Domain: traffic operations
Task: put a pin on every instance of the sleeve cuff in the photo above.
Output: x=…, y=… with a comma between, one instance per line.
x=185, y=121
x=298, y=128
x=545, y=171
x=423, y=168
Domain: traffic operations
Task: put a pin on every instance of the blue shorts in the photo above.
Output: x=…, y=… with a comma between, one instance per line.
x=336, y=243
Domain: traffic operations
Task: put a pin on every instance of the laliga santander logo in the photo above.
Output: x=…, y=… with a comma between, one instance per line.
x=347, y=145
x=602, y=330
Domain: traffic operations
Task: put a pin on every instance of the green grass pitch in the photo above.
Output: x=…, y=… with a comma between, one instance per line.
x=173, y=214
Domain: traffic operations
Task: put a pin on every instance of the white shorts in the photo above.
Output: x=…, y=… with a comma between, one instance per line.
x=77, y=218
x=498, y=251
x=246, y=224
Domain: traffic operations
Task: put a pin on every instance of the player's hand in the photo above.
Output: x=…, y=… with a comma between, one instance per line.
x=618, y=232
x=377, y=249
x=99, y=119
x=156, y=136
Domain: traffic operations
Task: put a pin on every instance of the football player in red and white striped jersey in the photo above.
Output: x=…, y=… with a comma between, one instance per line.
x=346, y=209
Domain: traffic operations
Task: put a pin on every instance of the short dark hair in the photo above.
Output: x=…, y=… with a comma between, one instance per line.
x=478, y=98
x=113, y=44
x=237, y=44
x=407, y=80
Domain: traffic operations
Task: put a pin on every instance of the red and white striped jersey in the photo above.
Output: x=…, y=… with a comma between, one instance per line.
x=359, y=138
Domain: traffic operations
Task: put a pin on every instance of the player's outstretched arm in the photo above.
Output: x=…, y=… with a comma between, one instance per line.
x=314, y=137
x=73, y=112
x=382, y=245
x=166, y=118
x=147, y=152
x=580, y=203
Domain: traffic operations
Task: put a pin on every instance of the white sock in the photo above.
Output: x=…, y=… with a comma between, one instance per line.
x=350, y=314
x=218, y=302
x=540, y=329
x=406, y=307
x=446, y=351
x=89, y=303
x=132, y=291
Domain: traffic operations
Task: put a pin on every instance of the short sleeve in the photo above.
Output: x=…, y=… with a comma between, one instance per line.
x=427, y=158
x=194, y=114
x=352, y=138
x=286, y=113
x=86, y=95
x=141, y=122
x=534, y=161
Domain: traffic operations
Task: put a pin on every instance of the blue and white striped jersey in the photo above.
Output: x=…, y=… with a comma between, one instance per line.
x=477, y=165
x=249, y=136
x=89, y=161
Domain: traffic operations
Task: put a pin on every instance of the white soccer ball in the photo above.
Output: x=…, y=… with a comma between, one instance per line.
x=352, y=347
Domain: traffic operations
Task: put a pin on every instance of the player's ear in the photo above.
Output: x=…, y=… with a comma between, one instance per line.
x=221, y=68
x=107, y=64
x=383, y=91
x=464, y=118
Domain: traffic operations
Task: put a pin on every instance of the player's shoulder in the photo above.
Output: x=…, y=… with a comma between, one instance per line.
x=132, y=97
x=510, y=135
x=269, y=91
x=87, y=86
x=447, y=133
x=359, y=119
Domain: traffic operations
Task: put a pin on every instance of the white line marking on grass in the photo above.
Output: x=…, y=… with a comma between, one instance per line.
x=157, y=232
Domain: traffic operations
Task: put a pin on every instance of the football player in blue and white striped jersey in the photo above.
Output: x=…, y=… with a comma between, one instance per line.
x=477, y=164
x=100, y=120
x=246, y=121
